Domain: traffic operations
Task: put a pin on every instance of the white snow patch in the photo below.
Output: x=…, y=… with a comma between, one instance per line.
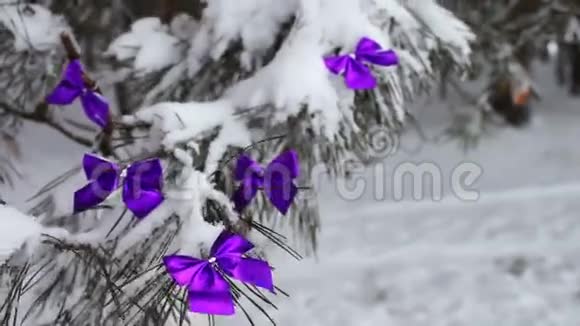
x=193, y=191
x=149, y=44
x=182, y=122
x=255, y=22
x=15, y=229
x=444, y=25
x=33, y=26
x=297, y=75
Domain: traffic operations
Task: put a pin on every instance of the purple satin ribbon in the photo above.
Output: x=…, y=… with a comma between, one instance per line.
x=352, y=66
x=72, y=86
x=276, y=180
x=208, y=290
x=141, y=185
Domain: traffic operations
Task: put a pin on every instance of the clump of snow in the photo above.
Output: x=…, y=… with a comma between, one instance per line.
x=194, y=190
x=15, y=229
x=297, y=75
x=181, y=123
x=149, y=44
x=33, y=27
x=380, y=9
x=445, y=26
x=254, y=22
x=171, y=77
x=183, y=26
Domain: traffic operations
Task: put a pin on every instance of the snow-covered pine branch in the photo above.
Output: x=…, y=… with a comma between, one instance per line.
x=29, y=53
x=202, y=92
x=10, y=221
x=264, y=64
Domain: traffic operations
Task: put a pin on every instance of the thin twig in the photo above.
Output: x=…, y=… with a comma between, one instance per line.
x=45, y=119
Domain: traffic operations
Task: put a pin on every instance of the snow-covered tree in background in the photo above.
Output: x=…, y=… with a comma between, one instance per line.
x=510, y=36
x=195, y=89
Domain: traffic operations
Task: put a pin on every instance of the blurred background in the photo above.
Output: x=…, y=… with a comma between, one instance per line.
x=511, y=256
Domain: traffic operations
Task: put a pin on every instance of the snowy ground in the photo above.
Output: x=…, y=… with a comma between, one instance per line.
x=511, y=258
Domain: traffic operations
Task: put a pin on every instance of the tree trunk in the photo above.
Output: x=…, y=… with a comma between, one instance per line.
x=444, y=74
x=525, y=54
x=561, y=63
x=575, y=71
x=166, y=9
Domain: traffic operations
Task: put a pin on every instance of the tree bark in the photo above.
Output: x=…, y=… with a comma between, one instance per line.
x=575, y=71
x=166, y=9
x=524, y=55
x=561, y=63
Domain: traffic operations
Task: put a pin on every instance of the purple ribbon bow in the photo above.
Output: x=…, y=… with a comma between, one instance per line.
x=208, y=290
x=141, y=185
x=275, y=180
x=72, y=86
x=352, y=66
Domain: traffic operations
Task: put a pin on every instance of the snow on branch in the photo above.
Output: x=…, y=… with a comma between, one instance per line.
x=295, y=77
x=255, y=70
x=444, y=26
x=29, y=60
x=149, y=44
x=16, y=229
x=33, y=27
x=254, y=23
x=247, y=71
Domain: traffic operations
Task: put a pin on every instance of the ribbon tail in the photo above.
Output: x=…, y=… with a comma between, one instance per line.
x=64, y=93
x=96, y=108
x=281, y=194
x=142, y=190
x=73, y=73
x=359, y=77
x=246, y=167
x=183, y=269
x=90, y=196
x=336, y=64
x=70, y=87
x=382, y=58
x=367, y=45
x=212, y=302
x=286, y=165
x=244, y=195
x=97, y=168
x=210, y=293
x=230, y=243
x=249, y=270
x=141, y=202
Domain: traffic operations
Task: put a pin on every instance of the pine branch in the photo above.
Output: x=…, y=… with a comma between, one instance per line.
x=73, y=53
x=41, y=115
